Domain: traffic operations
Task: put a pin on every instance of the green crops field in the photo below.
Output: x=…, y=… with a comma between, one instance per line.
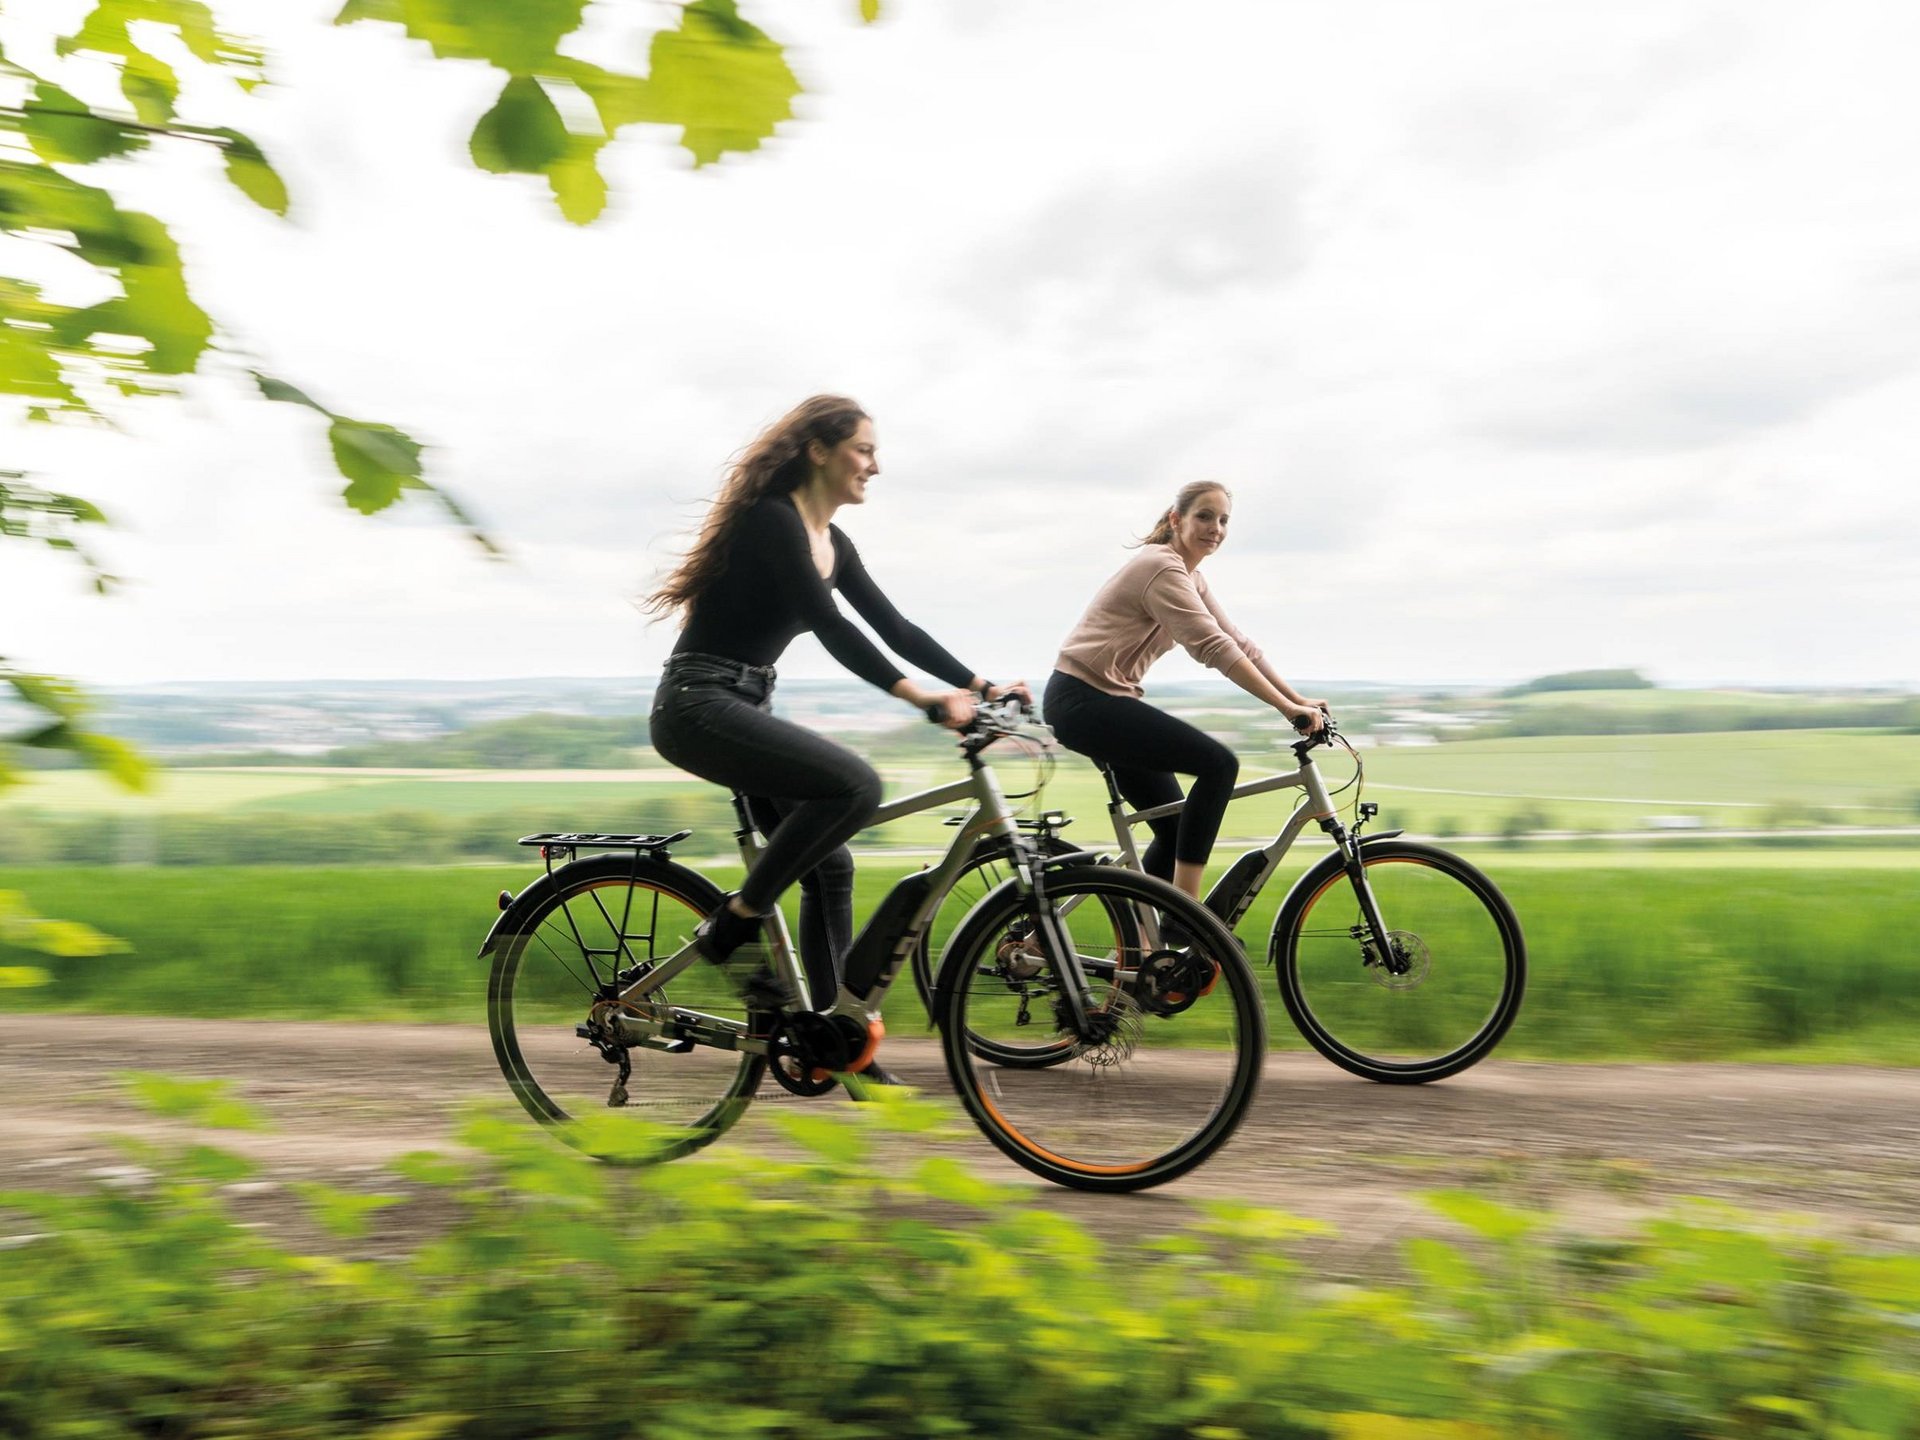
x=1777, y=954
x=1613, y=784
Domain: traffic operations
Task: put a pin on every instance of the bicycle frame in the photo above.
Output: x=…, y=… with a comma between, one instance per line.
x=884, y=942
x=1246, y=877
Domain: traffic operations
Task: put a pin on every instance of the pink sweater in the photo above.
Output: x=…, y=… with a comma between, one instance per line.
x=1152, y=604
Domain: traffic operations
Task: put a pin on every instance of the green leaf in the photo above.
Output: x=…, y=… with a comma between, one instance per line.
x=721, y=79
x=388, y=10
x=379, y=460
x=430, y=1167
x=57, y=736
x=280, y=390
x=250, y=173
x=942, y=1178
x=577, y=183
x=202, y=1102
x=36, y=198
x=522, y=133
x=343, y=1212
x=150, y=85
x=216, y=1166
x=116, y=759
x=28, y=366
x=63, y=131
x=155, y=305
x=1483, y=1216
x=518, y=36
x=827, y=1136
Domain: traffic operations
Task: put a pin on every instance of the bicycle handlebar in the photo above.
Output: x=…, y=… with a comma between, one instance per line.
x=994, y=713
x=1328, y=733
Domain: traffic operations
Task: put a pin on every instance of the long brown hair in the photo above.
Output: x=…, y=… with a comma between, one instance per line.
x=774, y=464
x=1189, y=496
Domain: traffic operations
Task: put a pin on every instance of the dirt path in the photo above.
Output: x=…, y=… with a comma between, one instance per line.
x=1600, y=1144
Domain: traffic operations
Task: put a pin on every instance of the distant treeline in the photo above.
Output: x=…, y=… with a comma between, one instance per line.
x=1574, y=717
x=401, y=836
x=1583, y=680
x=525, y=742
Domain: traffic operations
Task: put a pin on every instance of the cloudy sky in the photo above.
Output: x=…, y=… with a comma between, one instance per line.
x=1529, y=337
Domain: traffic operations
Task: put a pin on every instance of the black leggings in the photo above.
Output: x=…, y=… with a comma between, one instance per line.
x=1145, y=748
x=807, y=795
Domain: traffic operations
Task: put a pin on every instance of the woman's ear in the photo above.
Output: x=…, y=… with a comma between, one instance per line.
x=816, y=453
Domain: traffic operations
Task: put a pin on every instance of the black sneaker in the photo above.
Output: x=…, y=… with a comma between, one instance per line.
x=874, y=1074
x=721, y=939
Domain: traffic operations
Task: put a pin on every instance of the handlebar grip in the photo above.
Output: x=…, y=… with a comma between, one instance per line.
x=1303, y=723
x=937, y=712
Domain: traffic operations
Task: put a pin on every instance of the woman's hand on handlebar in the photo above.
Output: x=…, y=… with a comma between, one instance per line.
x=1308, y=719
x=1016, y=691
x=951, y=708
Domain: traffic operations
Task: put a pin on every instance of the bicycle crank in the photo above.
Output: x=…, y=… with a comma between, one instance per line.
x=806, y=1050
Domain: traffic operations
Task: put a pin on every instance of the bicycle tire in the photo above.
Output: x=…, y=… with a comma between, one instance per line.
x=1163, y=1093
x=543, y=984
x=1462, y=942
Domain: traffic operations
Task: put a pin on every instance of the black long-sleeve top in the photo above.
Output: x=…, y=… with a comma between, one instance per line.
x=769, y=592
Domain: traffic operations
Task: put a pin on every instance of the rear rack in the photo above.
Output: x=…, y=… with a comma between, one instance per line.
x=571, y=840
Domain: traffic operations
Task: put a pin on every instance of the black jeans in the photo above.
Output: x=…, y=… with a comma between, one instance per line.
x=1145, y=748
x=806, y=794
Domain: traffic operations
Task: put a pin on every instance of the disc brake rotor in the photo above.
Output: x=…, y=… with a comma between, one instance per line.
x=1411, y=957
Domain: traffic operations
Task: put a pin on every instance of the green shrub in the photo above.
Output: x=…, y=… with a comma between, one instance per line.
x=733, y=1295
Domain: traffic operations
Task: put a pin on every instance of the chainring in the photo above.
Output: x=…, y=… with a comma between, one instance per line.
x=1170, y=981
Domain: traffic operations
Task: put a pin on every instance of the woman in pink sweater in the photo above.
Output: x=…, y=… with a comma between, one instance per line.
x=1157, y=600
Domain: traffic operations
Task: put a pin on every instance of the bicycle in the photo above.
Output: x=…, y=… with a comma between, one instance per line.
x=1450, y=937
x=1077, y=1036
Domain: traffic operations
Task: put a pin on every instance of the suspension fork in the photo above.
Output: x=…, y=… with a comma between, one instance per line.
x=1355, y=865
x=1030, y=873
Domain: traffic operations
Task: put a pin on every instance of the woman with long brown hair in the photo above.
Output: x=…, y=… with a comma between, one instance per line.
x=761, y=571
x=1093, y=700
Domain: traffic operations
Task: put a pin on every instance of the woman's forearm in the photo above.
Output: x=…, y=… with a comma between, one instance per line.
x=1274, y=679
x=1249, y=677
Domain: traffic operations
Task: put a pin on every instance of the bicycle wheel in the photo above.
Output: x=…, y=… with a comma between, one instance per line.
x=611, y=915
x=1015, y=955
x=1444, y=998
x=1171, y=1071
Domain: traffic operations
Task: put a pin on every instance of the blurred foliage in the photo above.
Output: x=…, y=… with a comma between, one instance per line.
x=818, y=1297
x=30, y=513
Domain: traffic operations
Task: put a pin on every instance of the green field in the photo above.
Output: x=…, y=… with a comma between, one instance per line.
x=1635, y=784
x=1698, y=960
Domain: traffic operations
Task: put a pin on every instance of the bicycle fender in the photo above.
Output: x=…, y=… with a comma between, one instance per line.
x=612, y=865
